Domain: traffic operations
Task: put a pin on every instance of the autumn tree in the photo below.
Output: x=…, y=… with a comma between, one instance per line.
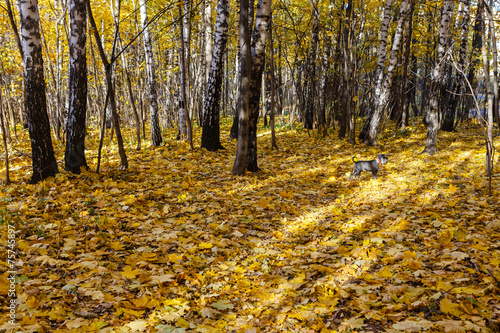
x=210, y=136
x=156, y=138
x=240, y=163
x=108, y=70
x=432, y=117
x=382, y=87
x=257, y=62
x=44, y=163
x=77, y=89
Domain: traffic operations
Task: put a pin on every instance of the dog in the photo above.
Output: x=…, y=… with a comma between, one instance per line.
x=372, y=166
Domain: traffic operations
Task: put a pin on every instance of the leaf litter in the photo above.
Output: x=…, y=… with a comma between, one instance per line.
x=179, y=244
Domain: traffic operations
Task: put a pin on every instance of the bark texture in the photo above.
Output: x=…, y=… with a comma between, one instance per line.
x=382, y=92
x=456, y=87
x=258, y=59
x=382, y=57
x=43, y=159
x=74, y=158
x=432, y=118
x=240, y=162
x=210, y=136
x=156, y=138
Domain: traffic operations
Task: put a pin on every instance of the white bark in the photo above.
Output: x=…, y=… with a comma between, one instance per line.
x=208, y=37
x=382, y=49
x=432, y=119
x=382, y=96
x=156, y=138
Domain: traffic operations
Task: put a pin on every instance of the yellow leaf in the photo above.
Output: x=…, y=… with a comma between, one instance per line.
x=352, y=323
x=174, y=257
x=182, y=323
x=130, y=273
x=205, y=246
x=117, y=246
x=384, y=273
x=449, y=307
x=285, y=194
x=4, y=285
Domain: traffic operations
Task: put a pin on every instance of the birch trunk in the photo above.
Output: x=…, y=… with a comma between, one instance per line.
x=432, y=117
x=108, y=69
x=382, y=95
x=156, y=138
x=489, y=97
x=258, y=56
x=77, y=89
x=382, y=57
x=43, y=160
x=188, y=135
x=240, y=162
x=451, y=107
x=310, y=83
x=210, y=137
x=4, y=137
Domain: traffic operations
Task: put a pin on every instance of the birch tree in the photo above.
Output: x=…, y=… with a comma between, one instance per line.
x=310, y=76
x=382, y=57
x=77, y=89
x=156, y=138
x=456, y=87
x=382, y=91
x=258, y=56
x=108, y=70
x=210, y=136
x=44, y=163
x=240, y=162
x=431, y=119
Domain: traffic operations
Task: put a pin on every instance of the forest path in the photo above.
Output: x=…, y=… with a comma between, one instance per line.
x=177, y=243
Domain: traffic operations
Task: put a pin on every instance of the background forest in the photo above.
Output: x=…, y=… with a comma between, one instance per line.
x=184, y=166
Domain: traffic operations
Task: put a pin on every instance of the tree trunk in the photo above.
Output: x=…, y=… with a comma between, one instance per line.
x=432, y=118
x=402, y=94
x=486, y=66
x=382, y=95
x=4, y=137
x=258, y=56
x=474, y=57
x=456, y=87
x=273, y=88
x=156, y=138
x=43, y=160
x=240, y=162
x=382, y=57
x=210, y=137
x=183, y=110
x=109, y=83
x=77, y=86
x=310, y=83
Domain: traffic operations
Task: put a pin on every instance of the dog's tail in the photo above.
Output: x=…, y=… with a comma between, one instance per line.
x=354, y=159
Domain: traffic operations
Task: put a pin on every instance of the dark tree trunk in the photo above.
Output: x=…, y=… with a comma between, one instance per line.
x=258, y=56
x=210, y=136
x=476, y=49
x=43, y=160
x=240, y=162
x=77, y=87
x=310, y=77
x=451, y=107
x=432, y=116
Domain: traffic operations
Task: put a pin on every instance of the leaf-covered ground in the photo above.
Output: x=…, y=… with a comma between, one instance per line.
x=179, y=244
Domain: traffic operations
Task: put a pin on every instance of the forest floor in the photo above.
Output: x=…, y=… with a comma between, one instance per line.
x=179, y=244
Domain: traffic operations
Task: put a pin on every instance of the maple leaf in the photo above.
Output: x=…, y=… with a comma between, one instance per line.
x=222, y=305
x=449, y=307
x=129, y=272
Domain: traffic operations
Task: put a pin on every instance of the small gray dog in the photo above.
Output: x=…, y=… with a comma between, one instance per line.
x=372, y=166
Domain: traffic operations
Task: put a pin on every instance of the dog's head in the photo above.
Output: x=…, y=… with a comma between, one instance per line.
x=382, y=159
